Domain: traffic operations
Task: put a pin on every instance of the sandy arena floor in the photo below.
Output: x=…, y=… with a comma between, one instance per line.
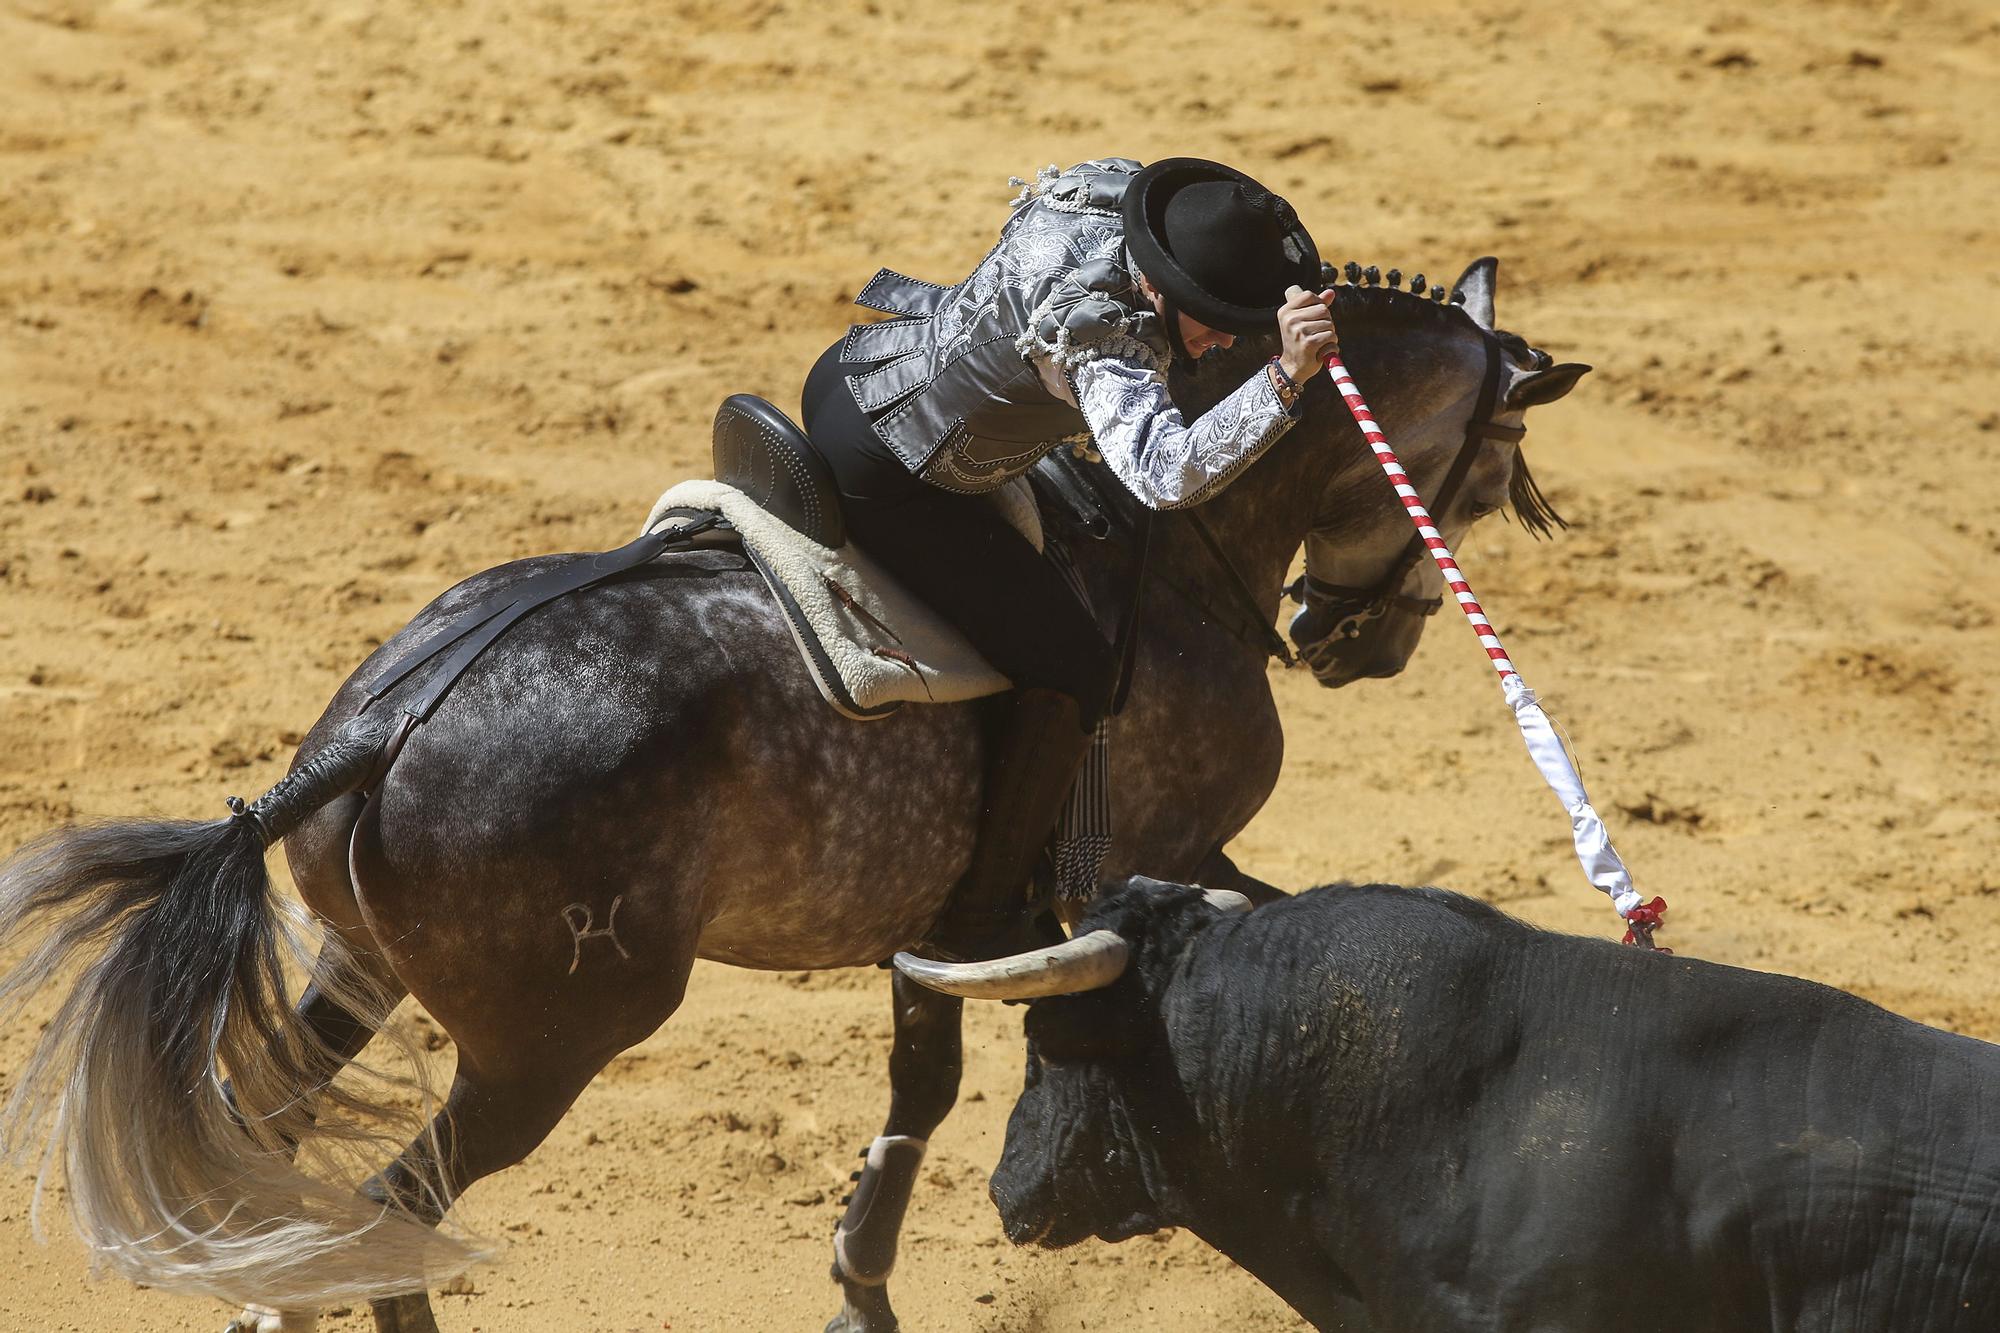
x=309, y=310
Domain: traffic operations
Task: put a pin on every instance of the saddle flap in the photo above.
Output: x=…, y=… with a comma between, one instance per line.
x=761, y=453
x=869, y=644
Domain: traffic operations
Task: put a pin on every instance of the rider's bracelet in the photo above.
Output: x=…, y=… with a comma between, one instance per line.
x=1287, y=387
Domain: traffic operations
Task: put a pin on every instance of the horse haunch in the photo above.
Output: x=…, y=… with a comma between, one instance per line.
x=658, y=741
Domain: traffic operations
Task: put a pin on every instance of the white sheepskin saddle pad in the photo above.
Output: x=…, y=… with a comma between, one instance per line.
x=870, y=646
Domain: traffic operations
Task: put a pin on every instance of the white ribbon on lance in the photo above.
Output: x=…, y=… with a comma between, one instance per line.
x=1602, y=865
x=1600, y=860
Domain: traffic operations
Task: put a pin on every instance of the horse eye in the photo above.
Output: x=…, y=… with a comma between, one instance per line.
x=1481, y=510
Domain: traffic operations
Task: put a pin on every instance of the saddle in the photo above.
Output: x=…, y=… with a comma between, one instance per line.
x=869, y=645
x=758, y=450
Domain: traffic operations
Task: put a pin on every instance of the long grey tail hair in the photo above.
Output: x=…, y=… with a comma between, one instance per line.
x=205, y=1145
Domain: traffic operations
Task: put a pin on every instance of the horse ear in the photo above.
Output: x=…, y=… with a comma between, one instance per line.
x=1545, y=386
x=1474, y=290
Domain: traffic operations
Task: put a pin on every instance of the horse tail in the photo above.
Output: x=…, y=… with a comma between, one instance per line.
x=194, y=1116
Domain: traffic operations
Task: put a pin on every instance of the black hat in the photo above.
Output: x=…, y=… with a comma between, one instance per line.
x=1216, y=244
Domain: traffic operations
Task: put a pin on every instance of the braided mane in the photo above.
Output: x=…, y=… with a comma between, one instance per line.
x=1422, y=301
x=1444, y=306
x=1380, y=297
x=1390, y=301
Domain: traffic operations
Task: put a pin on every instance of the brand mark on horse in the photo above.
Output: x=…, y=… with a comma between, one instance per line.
x=582, y=929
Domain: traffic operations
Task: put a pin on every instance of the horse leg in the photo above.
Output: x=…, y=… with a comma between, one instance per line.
x=924, y=1067
x=488, y=1124
x=331, y=1019
x=1217, y=871
x=343, y=1031
x=516, y=1079
x=259, y=1319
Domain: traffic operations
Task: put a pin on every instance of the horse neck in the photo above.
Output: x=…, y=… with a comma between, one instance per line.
x=1421, y=376
x=1261, y=518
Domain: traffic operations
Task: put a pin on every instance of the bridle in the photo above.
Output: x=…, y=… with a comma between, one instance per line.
x=1356, y=607
x=1353, y=607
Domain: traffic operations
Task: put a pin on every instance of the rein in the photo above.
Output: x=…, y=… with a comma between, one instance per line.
x=1264, y=635
x=1243, y=616
x=1251, y=626
x=1101, y=511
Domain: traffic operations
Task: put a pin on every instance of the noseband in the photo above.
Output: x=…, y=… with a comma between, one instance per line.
x=1356, y=607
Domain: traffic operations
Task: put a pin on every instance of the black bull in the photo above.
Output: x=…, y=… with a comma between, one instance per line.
x=1403, y=1110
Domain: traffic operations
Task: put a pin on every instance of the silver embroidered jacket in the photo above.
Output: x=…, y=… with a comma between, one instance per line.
x=1048, y=340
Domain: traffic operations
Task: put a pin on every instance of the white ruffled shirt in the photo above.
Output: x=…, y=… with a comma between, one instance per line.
x=1167, y=462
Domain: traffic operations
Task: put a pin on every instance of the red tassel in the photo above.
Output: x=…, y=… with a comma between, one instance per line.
x=1642, y=921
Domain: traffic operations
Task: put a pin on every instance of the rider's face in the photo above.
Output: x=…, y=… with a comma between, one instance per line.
x=1196, y=336
x=1199, y=337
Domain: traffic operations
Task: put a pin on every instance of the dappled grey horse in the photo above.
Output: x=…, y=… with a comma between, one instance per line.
x=641, y=775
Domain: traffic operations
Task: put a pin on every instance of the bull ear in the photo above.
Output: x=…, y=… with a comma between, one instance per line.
x=1222, y=900
x=1474, y=290
x=1545, y=386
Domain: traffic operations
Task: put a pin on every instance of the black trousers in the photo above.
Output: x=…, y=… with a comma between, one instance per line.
x=958, y=555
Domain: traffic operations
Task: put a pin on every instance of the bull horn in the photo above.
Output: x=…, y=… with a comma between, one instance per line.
x=1088, y=962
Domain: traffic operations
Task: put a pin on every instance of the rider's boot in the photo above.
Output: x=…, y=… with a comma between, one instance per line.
x=1034, y=765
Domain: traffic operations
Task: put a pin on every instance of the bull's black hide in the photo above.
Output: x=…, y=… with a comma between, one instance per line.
x=1401, y=1102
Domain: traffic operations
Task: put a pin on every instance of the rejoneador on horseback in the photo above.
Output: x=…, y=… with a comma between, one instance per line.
x=1103, y=277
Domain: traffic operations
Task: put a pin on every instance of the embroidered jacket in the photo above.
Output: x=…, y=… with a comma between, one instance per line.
x=1047, y=342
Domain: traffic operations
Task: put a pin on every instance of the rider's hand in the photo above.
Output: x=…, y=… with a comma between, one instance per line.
x=1305, y=324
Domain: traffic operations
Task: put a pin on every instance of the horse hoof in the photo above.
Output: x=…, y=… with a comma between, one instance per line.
x=864, y=1310
x=845, y=1323
x=404, y=1314
x=263, y=1319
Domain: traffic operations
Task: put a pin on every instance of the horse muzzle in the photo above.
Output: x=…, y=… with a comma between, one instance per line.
x=1344, y=639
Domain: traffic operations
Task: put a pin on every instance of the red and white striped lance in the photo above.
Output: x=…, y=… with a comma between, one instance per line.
x=1601, y=863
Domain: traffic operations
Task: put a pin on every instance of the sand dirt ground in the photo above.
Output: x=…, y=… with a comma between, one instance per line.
x=309, y=310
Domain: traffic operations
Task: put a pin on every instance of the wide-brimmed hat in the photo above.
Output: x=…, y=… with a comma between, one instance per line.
x=1215, y=243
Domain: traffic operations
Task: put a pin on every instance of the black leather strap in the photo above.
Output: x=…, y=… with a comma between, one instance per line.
x=1062, y=481
x=1246, y=601
x=1126, y=646
x=474, y=629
